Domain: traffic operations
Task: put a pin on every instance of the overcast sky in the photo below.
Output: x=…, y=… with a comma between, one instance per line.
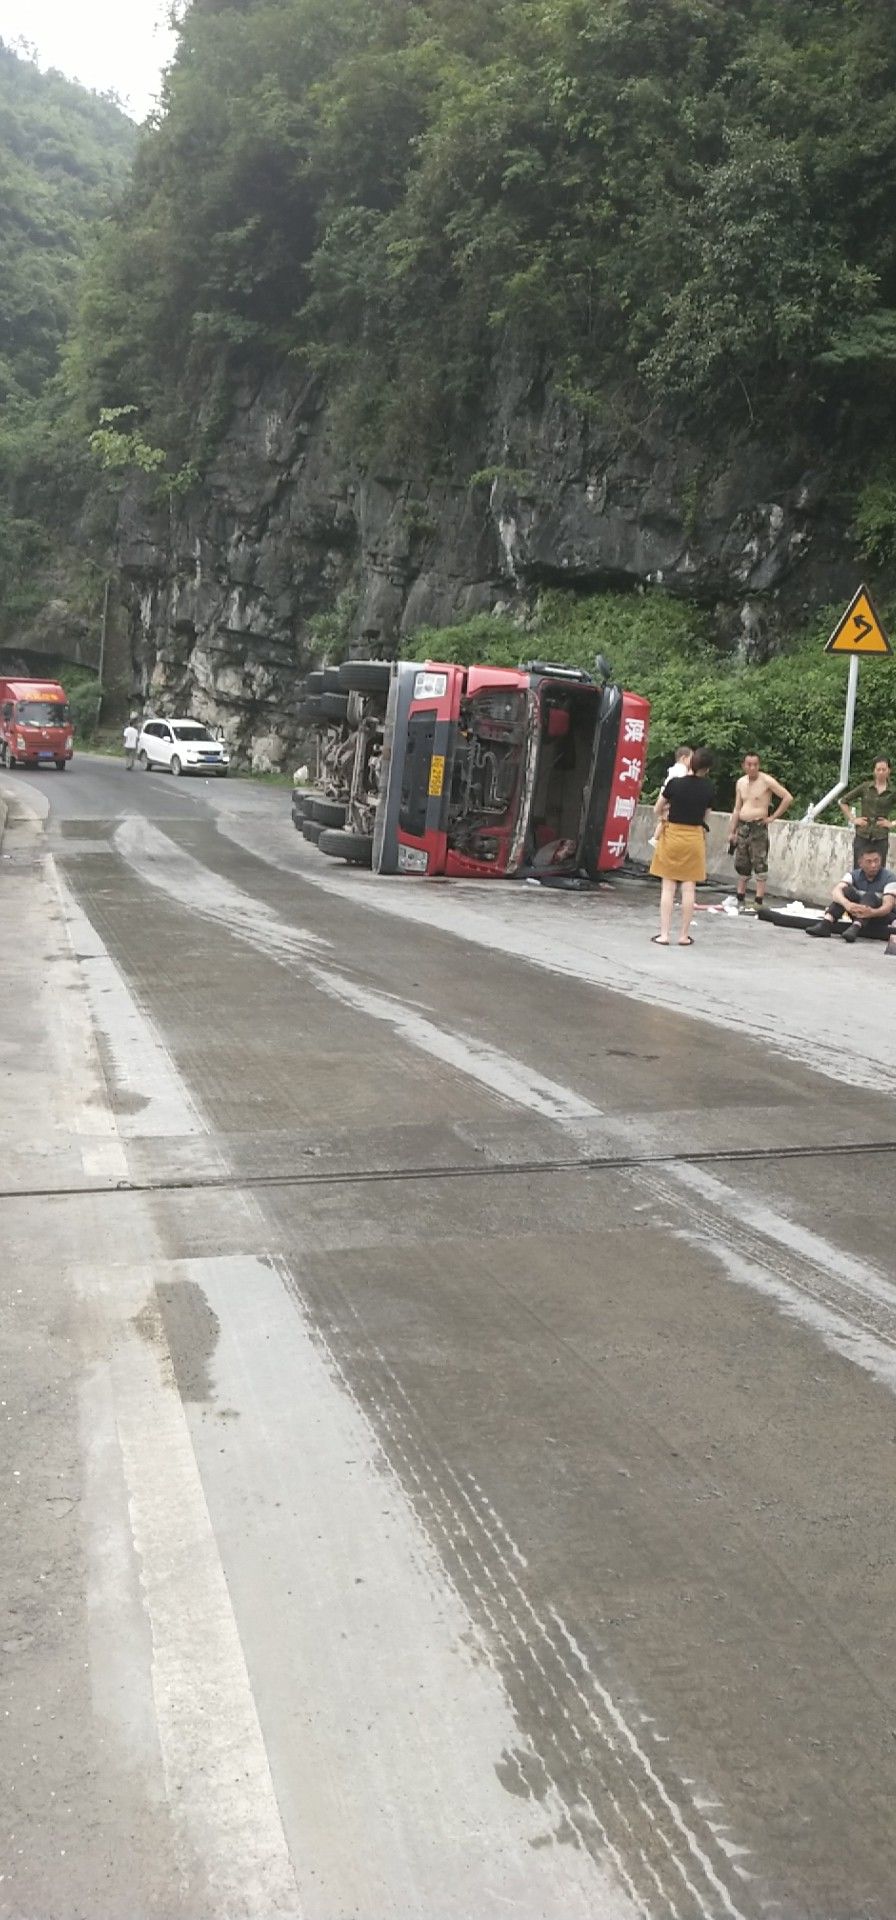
x=122, y=44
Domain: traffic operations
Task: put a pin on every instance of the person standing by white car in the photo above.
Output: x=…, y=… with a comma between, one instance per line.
x=130, y=737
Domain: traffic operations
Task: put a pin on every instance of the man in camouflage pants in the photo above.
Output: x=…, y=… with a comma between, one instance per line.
x=749, y=825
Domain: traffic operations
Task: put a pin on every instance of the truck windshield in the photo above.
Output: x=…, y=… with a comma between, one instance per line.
x=42, y=713
x=194, y=733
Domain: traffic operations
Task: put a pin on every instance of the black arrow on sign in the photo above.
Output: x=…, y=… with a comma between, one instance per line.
x=863, y=626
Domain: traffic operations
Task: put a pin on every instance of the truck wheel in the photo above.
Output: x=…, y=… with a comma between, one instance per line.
x=10, y=760
x=60, y=766
x=315, y=682
x=333, y=706
x=357, y=848
x=332, y=681
x=311, y=830
x=365, y=676
x=330, y=813
x=176, y=767
x=143, y=761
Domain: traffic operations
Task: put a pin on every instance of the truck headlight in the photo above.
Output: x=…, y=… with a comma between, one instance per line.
x=69, y=744
x=21, y=745
x=430, y=686
x=412, y=860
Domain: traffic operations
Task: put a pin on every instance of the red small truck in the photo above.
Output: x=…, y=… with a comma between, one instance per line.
x=35, y=724
x=472, y=772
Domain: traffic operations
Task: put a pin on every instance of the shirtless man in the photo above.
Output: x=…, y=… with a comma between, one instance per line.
x=749, y=824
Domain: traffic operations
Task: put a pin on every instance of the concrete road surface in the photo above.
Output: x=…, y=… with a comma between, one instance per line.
x=448, y=1356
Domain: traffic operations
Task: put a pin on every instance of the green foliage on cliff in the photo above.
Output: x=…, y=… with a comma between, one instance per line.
x=790, y=709
x=688, y=196
x=64, y=154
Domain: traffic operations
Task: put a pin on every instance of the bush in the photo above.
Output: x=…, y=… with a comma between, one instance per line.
x=790, y=710
x=83, y=698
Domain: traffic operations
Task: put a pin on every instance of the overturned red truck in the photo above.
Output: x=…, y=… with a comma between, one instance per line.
x=471, y=772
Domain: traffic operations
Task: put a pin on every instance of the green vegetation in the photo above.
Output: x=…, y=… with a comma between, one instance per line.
x=790, y=710
x=64, y=154
x=688, y=200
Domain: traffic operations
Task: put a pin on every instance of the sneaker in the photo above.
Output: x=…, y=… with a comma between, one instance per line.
x=851, y=932
x=822, y=930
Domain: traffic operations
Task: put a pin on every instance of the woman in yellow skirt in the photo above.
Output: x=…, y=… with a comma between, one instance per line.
x=680, y=855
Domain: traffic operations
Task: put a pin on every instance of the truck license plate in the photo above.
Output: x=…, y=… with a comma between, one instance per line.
x=436, y=776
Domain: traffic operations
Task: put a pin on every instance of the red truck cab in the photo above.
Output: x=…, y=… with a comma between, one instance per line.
x=490, y=771
x=35, y=724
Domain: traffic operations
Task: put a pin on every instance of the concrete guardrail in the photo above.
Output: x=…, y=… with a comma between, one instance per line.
x=805, y=860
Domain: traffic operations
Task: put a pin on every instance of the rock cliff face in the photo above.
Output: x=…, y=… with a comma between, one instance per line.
x=225, y=594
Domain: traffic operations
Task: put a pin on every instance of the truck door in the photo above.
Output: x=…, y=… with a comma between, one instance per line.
x=410, y=833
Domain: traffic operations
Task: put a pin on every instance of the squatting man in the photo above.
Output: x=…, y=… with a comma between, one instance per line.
x=749, y=824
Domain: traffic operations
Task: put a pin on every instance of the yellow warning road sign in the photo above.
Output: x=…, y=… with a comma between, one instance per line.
x=860, y=630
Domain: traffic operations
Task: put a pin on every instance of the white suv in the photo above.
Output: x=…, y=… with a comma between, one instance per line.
x=183, y=746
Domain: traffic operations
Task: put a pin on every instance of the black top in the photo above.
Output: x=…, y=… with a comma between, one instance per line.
x=688, y=796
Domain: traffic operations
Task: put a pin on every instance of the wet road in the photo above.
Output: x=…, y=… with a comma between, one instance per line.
x=471, y=1391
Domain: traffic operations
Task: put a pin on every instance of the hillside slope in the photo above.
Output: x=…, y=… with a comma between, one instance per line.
x=65, y=155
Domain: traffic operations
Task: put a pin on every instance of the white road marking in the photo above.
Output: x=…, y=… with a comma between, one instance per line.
x=215, y=1766
x=805, y=1243
x=510, y=1079
x=838, y=1332
x=141, y=1063
x=102, y=1155
x=167, y=867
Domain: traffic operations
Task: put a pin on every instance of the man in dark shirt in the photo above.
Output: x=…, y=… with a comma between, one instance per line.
x=868, y=896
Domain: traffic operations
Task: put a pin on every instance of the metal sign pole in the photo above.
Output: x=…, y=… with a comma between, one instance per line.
x=846, y=748
x=849, y=719
x=848, y=722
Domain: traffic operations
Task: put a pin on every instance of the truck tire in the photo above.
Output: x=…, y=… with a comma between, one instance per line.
x=61, y=766
x=301, y=801
x=365, y=676
x=333, y=706
x=332, y=682
x=10, y=760
x=315, y=682
x=312, y=830
x=356, y=848
x=330, y=813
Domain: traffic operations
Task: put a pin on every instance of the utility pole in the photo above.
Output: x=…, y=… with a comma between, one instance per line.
x=101, y=668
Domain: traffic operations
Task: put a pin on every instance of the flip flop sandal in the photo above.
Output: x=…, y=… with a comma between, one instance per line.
x=655, y=941
x=686, y=943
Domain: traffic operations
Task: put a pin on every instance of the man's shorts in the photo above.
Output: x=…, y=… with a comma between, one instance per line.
x=751, y=849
